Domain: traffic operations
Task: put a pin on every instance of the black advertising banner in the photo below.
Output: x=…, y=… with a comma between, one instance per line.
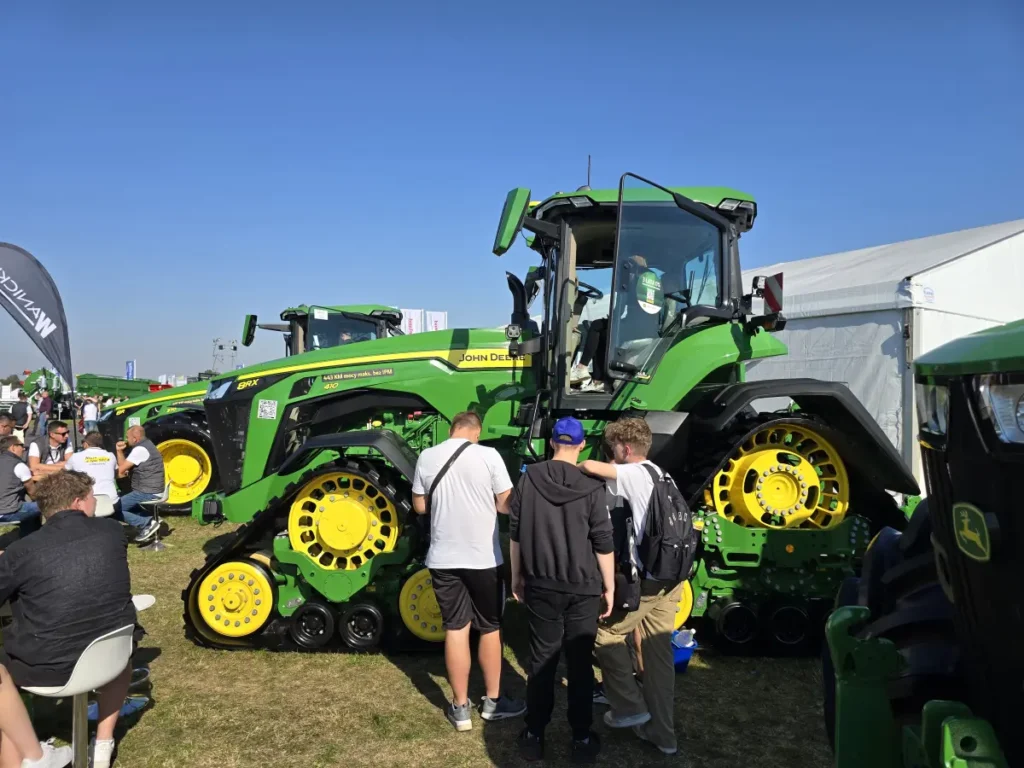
x=28, y=293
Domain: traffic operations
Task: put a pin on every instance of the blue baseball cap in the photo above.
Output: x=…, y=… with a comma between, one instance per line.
x=567, y=431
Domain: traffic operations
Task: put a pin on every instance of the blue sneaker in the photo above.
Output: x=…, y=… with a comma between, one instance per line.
x=501, y=708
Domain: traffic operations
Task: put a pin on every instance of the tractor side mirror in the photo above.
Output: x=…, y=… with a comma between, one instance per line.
x=513, y=213
x=248, y=330
x=768, y=288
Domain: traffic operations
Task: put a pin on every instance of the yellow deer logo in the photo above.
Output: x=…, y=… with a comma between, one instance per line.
x=972, y=535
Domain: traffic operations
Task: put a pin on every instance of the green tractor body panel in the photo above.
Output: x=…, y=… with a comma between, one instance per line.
x=950, y=692
x=111, y=386
x=298, y=439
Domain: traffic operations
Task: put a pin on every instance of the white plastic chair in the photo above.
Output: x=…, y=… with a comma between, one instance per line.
x=104, y=659
x=104, y=506
x=153, y=504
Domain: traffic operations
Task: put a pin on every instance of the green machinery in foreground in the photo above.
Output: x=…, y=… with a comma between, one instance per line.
x=316, y=452
x=176, y=422
x=926, y=669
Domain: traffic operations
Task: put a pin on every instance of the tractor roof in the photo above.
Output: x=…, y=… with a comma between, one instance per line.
x=360, y=309
x=993, y=350
x=711, y=196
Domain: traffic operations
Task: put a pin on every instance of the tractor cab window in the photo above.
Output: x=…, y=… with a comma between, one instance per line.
x=333, y=329
x=667, y=260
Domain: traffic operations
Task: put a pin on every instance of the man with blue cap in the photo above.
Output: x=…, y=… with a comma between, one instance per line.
x=563, y=570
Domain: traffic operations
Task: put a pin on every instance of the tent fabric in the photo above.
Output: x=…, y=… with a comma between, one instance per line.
x=875, y=278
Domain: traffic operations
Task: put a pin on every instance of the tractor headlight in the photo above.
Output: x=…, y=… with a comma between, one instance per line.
x=216, y=393
x=933, y=408
x=1002, y=405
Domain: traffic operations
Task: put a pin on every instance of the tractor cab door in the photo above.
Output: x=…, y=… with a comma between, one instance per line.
x=668, y=274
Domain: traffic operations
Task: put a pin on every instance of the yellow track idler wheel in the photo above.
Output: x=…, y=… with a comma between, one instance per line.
x=236, y=598
x=684, y=607
x=187, y=469
x=417, y=605
x=783, y=476
x=342, y=520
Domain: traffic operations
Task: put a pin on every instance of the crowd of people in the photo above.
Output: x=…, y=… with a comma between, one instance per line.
x=32, y=412
x=23, y=465
x=581, y=566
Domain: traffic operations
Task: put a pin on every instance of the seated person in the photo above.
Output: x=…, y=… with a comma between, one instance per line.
x=46, y=454
x=68, y=584
x=97, y=463
x=145, y=464
x=16, y=482
x=594, y=349
x=19, y=745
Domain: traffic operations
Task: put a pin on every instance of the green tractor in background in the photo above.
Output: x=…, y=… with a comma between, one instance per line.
x=316, y=452
x=925, y=667
x=175, y=419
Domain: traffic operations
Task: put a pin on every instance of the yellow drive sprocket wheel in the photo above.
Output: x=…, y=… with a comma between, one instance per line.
x=187, y=469
x=684, y=607
x=417, y=605
x=236, y=598
x=783, y=476
x=341, y=520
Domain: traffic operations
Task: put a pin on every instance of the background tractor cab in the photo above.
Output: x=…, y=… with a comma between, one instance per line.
x=307, y=328
x=640, y=269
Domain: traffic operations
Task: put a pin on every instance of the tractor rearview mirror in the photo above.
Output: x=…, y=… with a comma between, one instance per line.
x=517, y=203
x=248, y=330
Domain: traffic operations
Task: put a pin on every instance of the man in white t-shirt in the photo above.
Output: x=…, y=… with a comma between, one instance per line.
x=472, y=487
x=98, y=464
x=90, y=416
x=648, y=709
x=48, y=453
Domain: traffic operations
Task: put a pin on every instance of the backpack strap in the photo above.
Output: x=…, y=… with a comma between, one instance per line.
x=444, y=471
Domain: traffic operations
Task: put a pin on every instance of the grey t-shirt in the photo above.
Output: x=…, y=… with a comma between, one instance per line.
x=463, y=517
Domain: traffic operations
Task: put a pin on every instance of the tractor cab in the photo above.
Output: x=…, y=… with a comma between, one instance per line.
x=308, y=328
x=625, y=273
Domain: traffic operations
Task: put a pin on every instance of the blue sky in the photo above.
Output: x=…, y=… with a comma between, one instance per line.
x=177, y=168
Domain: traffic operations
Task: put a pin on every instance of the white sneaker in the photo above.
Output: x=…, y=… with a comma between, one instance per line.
x=579, y=375
x=53, y=757
x=639, y=731
x=100, y=753
x=593, y=386
x=148, y=531
x=630, y=721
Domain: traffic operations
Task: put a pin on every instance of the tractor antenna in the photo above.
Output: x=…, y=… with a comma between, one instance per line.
x=588, y=171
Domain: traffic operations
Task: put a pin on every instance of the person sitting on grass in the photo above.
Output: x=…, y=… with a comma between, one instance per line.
x=146, y=466
x=47, y=454
x=19, y=745
x=68, y=584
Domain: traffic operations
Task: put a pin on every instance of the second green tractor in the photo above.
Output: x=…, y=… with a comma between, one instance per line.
x=316, y=452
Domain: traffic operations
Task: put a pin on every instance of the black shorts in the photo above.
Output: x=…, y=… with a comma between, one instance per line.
x=469, y=596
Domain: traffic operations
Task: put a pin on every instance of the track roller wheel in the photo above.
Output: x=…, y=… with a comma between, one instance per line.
x=417, y=605
x=684, y=607
x=782, y=476
x=735, y=625
x=236, y=598
x=312, y=626
x=362, y=626
x=788, y=627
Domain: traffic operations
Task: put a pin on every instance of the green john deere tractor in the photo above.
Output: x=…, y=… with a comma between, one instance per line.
x=176, y=422
x=316, y=452
x=926, y=668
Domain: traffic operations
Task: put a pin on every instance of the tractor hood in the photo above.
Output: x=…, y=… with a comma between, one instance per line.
x=456, y=348
x=993, y=350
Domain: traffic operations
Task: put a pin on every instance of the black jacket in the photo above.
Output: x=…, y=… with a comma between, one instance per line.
x=560, y=518
x=68, y=583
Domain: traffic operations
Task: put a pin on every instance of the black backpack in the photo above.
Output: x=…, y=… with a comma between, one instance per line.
x=669, y=544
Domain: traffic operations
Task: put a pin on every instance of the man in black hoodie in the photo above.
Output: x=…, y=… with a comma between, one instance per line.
x=562, y=569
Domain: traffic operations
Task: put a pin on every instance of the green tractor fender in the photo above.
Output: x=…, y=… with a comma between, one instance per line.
x=855, y=434
x=388, y=444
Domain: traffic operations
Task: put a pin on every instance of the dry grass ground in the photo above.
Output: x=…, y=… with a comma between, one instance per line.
x=215, y=709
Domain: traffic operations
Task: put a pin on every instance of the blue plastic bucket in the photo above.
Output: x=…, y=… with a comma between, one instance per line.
x=682, y=653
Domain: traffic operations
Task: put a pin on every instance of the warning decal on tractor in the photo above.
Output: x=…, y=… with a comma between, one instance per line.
x=367, y=373
x=773, y=293
x=267, y=409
